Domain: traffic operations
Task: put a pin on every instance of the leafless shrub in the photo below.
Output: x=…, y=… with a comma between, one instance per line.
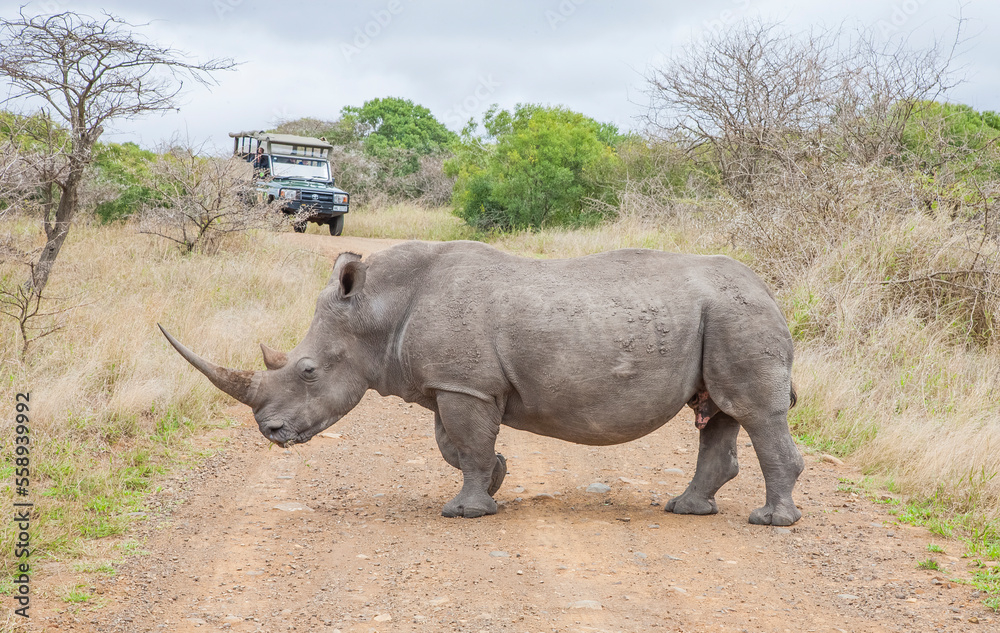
x=36, y=314
x=649, y=201
x=14, y=179
x=652, y=183
x=882, y=85
x=428, y=186
x=203, y=199
x=388, y=178
x=355, y=172
x=305, y=126
x=742, y=95
x=764, y=102
x=33, y=158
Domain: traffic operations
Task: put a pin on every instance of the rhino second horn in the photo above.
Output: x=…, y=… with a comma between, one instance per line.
x=238, y=384
x=273, y=359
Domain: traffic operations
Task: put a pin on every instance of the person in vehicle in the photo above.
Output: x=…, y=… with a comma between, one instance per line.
x=261, y=163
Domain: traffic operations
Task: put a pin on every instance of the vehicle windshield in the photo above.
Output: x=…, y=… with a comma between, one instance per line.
x=282, y=166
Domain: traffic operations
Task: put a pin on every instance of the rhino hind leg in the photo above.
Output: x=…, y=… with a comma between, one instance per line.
x=466, y=431
x=781, y=464
x=717, y=464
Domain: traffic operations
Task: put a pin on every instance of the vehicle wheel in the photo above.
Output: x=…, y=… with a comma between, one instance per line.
x=300, y=227
x=337, y=225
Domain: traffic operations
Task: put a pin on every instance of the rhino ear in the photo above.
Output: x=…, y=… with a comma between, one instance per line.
x=349, y=274
x=352, y=278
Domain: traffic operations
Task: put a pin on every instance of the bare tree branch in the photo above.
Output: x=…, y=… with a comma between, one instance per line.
x=89, y=72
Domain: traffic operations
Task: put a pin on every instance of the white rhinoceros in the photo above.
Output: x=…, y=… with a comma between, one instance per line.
x=595, y=350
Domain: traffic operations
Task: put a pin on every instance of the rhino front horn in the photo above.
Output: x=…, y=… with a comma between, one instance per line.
x=239, y=384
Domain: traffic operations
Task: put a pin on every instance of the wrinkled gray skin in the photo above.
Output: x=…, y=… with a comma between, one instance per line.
x=595, y=350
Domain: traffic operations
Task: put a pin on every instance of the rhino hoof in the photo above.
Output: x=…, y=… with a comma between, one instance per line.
x=690, y=504
x=499, y=472
x=455, y=508
x=770, y=516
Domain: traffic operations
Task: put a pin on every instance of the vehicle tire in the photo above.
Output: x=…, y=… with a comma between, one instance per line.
x=300, y=227
x=337, y=225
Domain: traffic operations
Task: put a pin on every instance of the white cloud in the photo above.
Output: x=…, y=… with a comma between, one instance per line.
x=590, y=57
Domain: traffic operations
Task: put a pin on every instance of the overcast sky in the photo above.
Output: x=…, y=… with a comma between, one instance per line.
x=311, y=58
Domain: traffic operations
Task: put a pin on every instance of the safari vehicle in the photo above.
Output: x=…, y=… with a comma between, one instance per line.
x=295, y=172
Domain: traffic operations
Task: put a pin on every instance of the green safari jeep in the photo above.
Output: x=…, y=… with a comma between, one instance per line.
x=295, y=172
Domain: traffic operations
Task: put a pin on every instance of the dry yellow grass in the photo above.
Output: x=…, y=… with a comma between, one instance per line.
x=686, y=235
x=112, y=360
x=111, y=402
x=908, y=396
x=405, y=221
x=899, y=374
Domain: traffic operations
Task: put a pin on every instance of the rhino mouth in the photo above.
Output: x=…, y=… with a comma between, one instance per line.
x=284, y=439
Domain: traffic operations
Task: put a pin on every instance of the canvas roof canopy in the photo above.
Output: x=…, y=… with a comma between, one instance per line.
x=283, y=139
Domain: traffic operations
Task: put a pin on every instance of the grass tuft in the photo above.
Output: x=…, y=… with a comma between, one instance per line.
x=930, y=564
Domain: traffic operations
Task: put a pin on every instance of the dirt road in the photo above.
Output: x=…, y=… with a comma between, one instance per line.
x=345, y=533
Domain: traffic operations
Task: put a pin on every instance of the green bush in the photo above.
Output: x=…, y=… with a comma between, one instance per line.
x=534, y=167
x=127, y=166
x=952, y=140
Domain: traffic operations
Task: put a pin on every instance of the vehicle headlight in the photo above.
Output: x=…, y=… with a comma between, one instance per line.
x=340, y=198
x=288, y=194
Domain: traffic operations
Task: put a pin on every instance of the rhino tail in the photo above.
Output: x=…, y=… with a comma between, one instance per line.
x=793, y=397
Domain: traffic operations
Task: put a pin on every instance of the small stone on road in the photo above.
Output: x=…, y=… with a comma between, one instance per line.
x=292, y=506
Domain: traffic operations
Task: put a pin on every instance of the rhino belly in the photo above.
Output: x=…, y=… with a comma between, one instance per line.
x=597, y=417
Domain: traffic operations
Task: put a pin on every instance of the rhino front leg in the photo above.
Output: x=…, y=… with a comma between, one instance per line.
x=450, y=454
x=716, y=465
x=466, y=429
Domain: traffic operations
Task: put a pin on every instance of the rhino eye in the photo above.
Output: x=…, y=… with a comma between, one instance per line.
x=307, y=369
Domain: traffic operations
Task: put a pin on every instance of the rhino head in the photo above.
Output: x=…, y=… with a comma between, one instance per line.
x=310, y=388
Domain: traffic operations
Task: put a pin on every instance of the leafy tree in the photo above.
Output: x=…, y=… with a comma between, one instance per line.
x=533, y=166
x=394, y=123
x=387, y=147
